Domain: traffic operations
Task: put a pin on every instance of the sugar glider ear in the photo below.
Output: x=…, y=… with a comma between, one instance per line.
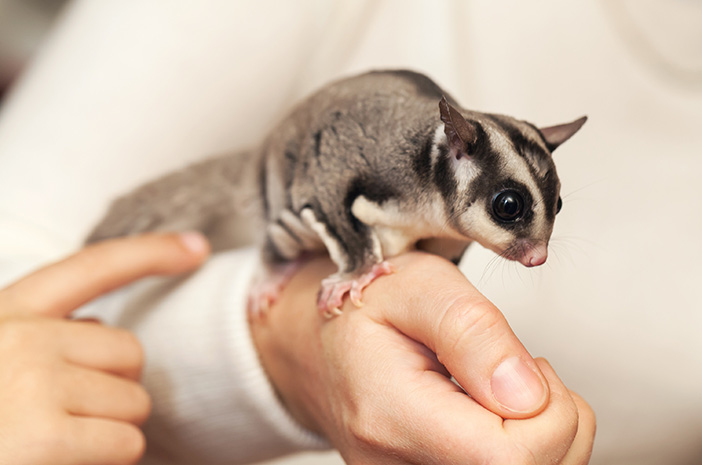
x=459, y=132
x=556, y=135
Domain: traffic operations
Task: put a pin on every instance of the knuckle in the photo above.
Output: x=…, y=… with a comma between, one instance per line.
x=128, y=337
x=132, y=443
x=141, y=400
x=49, y=437
x=32, y=380
x=469, y=320
x=571, y=424
x=588, y=424
x=587, y=420
x=516, y=456
x=367, y=432
x=514, y=452
x=20, y=332
x=570, y=419
x=132, y=347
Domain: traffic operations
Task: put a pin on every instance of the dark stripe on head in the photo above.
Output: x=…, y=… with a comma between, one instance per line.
x=481, y=149
x=550, y=193
x=444, y=179
x=537, y=131
x=421, y=160
x=526, y=147
x=444, y=175
x=484, y=156
x=489, y=160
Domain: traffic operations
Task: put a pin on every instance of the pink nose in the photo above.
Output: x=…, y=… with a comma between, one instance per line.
x=534, y=256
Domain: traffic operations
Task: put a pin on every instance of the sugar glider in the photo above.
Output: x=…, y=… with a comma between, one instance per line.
x=369, y=167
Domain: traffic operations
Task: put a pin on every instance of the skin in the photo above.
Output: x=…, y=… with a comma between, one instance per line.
x=69, y=390
x=375, y=380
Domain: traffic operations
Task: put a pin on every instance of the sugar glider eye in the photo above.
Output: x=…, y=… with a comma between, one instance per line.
x=559, y=205
x=508, y=206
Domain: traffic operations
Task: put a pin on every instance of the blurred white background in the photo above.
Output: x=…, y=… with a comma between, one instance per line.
x=617, y=309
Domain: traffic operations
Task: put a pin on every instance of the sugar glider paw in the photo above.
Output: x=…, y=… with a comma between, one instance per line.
x=334, y=289
x=268, y=285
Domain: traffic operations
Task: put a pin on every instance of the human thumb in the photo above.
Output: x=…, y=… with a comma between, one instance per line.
x=440, y=308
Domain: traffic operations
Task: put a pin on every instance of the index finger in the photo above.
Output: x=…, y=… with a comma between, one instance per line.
x=462, y=430
x=558, y=431
x=58, y=289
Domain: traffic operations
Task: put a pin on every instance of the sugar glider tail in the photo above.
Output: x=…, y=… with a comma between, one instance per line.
x=211, y=196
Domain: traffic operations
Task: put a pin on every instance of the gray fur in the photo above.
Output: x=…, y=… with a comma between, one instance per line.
x=367, y=159
x=211, y=196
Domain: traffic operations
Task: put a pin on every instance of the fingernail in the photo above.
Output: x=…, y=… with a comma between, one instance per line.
x=194, y=242
x=517, y=387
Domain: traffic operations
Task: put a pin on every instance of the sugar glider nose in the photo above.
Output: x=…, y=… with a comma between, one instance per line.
x=534, y=255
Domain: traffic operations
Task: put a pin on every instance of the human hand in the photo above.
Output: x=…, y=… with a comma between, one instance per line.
x=375, y=381
x=69, y=390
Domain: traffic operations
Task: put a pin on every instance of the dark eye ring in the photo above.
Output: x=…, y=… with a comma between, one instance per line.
x=559, y=205
x=508, y=206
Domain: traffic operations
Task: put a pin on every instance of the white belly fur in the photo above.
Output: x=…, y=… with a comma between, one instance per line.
x=397, y=230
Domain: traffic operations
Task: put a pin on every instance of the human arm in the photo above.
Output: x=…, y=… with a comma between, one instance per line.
x=375, y=381
x=69, y=390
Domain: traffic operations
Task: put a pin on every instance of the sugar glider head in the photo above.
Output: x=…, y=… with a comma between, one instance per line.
x=501, y=187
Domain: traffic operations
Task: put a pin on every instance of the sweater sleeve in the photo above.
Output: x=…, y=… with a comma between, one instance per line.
x=212, y=402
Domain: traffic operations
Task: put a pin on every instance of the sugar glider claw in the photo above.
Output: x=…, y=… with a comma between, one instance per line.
x=335, y=287
x=267, y=287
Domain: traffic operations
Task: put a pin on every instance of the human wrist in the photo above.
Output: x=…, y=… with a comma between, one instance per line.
x=287, y=341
